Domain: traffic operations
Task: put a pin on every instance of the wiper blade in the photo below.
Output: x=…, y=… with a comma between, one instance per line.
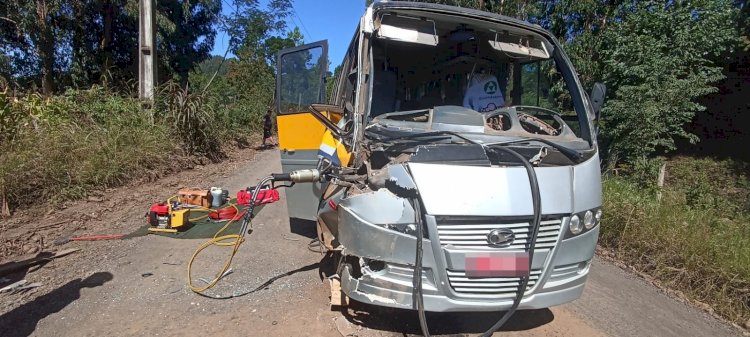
x=573, y=155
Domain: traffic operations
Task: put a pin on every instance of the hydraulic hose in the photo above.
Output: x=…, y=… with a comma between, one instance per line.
x=537, y=216
x=234, y=240
x=417, y=281
x=537, y=210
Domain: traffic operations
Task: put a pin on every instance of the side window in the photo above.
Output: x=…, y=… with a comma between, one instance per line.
x=300, y=73
x=346, y=82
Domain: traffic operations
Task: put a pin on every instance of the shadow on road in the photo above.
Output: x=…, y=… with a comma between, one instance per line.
x=16, y=270
x=22, y=321
x=302, y=227
x=265, y=147
x=450, y=323
x=263, y=285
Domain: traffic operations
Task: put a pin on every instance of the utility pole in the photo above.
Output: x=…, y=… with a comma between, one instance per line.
x=146, y=51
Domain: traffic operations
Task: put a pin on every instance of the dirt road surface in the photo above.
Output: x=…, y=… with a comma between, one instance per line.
x=137, y=287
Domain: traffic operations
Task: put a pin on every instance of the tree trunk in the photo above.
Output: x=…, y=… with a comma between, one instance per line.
x=46, y=47
x=78, y=36
x=108, y=14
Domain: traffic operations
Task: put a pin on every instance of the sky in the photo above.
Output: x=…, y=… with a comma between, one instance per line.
x=332, y=20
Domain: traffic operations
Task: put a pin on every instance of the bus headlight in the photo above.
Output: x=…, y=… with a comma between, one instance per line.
x=575, y=225
x=588, y=220
x=582, y=222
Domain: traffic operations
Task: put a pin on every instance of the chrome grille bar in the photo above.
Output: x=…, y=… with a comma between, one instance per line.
x=473, y=233
x=490, y=287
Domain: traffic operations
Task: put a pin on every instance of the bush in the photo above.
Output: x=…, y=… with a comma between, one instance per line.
x=191, y=119
x=657, y=61
x=683, y=240
x=237, y=99
x=65, y=146
x=711, y=184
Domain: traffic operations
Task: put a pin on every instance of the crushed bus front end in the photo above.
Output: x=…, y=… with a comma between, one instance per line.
x=458, y=160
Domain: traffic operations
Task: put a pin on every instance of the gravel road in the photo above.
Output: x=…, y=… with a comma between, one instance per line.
x=137, y=287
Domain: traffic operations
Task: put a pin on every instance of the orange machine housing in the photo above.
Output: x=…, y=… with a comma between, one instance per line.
x=195, y=196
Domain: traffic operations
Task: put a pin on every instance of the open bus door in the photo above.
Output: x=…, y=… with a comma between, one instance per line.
x=300, y=81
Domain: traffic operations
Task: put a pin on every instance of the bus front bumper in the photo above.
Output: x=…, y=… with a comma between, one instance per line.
x=559, y=272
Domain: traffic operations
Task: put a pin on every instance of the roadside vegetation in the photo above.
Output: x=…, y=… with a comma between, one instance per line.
x=692, y=235
x=675, y=73
x=70, y=120
x=59, y=148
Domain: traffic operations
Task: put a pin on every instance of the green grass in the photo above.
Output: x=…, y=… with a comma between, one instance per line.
x=66, y=146
x=696, y=238
x=72, y=144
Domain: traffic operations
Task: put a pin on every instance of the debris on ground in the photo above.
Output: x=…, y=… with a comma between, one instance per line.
x=19, y=286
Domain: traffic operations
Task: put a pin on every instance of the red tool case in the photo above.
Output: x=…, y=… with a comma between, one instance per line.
x=266, y=195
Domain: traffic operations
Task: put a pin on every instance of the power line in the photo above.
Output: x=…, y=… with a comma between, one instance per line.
x=302, y=23
x=294, y=23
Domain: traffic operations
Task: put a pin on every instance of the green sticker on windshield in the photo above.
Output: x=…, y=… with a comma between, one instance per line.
x=490, y=88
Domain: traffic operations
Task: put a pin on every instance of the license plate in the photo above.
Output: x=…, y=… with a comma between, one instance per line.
x=505, y=264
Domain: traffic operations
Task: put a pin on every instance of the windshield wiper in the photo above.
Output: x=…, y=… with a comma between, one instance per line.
x=419, y=139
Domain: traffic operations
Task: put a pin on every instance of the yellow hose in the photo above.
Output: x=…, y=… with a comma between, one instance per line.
x=217, y=241
x=223, y=240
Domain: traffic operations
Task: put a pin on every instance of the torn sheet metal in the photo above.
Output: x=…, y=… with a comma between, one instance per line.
x=381, y=207
x=364, y=239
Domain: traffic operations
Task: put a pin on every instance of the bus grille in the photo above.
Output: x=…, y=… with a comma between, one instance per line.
x=489, y=287
x=473, y=232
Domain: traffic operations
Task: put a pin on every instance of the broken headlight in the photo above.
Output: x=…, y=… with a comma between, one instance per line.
x=583, y=222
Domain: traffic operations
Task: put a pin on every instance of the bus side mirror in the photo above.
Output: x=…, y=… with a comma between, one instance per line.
x=598, y=92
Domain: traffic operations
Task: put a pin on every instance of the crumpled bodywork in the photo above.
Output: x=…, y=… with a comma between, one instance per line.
x=420, y=157
x=368, y=231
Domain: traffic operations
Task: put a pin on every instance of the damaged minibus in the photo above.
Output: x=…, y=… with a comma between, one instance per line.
x=454, y=165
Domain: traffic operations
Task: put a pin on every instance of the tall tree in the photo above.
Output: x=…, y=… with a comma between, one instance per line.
x=254, y=30
x=186, y=36
x=81, y=42
x=659, y=60
x=34, y=23
x=44, y=41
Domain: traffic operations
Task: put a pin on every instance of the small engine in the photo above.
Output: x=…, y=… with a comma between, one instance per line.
x=158, y=215
x=164, y=216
